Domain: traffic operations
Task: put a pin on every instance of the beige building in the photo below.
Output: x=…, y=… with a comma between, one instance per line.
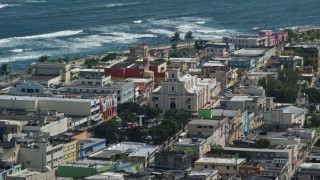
x=285, y=117
x=227, y=167
x=33, y=174
x=184, y=91
x=204, y=127
x=51, y=69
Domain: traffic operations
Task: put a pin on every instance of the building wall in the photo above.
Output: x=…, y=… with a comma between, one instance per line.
x=58, y=69
x=53, y=128
x=41, y=155
x=225, y=170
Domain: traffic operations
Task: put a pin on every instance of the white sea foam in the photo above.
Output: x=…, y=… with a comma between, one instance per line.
x=3, y=5
x=52, y=35
x=43, y=36
x=2, y=41
x=98, y=40
x=17, y=50
x=125, y=4
x=255, y=28
x=35, y=1
x=200, y=22
x=162, y=32
x=137, y=21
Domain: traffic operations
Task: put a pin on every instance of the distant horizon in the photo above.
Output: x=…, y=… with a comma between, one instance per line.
x=80, y=29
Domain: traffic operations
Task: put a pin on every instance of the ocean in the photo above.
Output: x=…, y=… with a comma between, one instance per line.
x=83, y=28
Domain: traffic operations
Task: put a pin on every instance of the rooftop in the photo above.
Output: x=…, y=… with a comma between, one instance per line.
x=90, y=141
x=203, y=122
x=190, y=141
x=107, y=175
x=203, y=172
x=310, y=166
x=232, y=161
x=34, y=98
x=40, y=78
x=252, y=52
x=26, y=173
x=132, y=149
x=88, y=163
x=255, y=150
x=128, y=64
x=241, y=98
x=292, y=109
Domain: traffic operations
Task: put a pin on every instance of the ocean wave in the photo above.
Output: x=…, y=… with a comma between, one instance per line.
x=211, y=31
x=255, y=28
x=99, y=40
x=200, y=22
x=43, y=36
x=35, y=1
x=17, y=50
x=125, y=4
x=137, y=21
x=162, y=32
x=3, y=5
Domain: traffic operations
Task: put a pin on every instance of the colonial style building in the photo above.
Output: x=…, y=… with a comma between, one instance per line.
x=184, y=91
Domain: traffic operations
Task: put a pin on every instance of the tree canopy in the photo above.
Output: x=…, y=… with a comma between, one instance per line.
x=5, y=70
x=188, y=37
x=262, y=143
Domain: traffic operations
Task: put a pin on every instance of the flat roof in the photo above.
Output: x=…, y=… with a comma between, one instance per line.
x=262, y=73
x=221, y=160
x=251, y=52
x=33, y=98
x=40, y=78
x=241, y=98
x=141, y=80
x=315, y=166
x=90, y=141
x=107, y=175
x=203, y=172
x=25, y=173
x=88, y=163
x=255, y=150
x=203, y=122
x=213, y=64
x=133, y=148
x=189, y=141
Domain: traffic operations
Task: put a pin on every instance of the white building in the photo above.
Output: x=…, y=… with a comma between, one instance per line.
x=96, y=84
x=78, y=107
x=245, y=41
x=184, y=91
x=284, y=117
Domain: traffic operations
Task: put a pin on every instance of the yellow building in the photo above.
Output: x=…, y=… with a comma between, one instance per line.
x=70, y=146
x=71, y=151
x=227, y=167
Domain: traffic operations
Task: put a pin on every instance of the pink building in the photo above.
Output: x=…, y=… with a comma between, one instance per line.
x=274, y=37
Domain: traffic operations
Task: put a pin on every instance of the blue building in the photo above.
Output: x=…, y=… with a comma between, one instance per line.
x=89, y=146
x=243, y=63
x=8, y=168
x=244, y=122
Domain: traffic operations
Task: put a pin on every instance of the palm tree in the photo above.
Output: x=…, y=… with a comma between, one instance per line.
x=188, y=37
x=5, y=70
x=44, y=58
x=175, y=38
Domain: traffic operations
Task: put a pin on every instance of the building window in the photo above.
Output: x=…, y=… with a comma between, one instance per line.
x=205, y=166
x=189, y=106
x=228, y=167
x=97, y=83
x=119, y=98
x=172, y=75
x=28, y=162
x=157, y=106
x=83, y=82
x=172, y=88
x=89, y=82
x=234, y=168
x=23, y=90
x=37, y=90
x=119, y=92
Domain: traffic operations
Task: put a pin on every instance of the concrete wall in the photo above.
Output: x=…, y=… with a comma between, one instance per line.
x=53, y=128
